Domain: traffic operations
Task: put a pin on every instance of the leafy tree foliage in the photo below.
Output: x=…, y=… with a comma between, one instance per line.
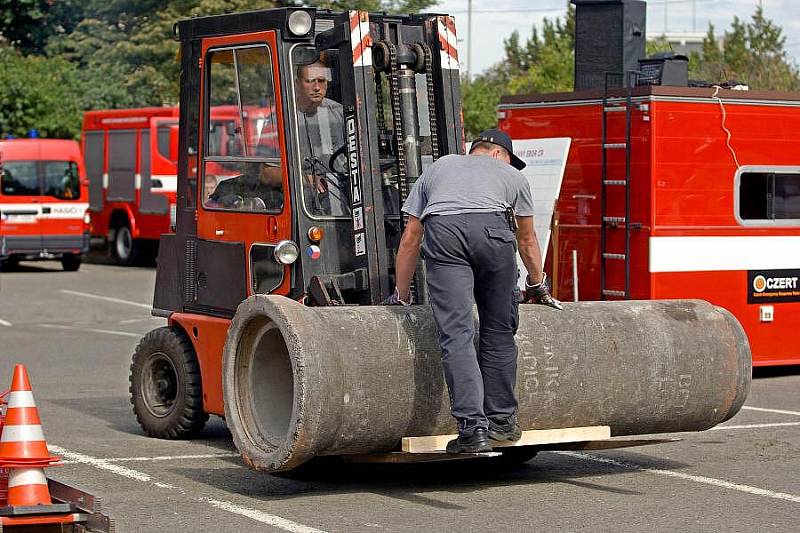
x=29, y=24
x=751, y=52
x=38, y=93
x=390, y=6
x=543, y=63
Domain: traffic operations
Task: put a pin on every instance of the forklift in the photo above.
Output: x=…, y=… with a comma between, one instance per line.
x=287, y=225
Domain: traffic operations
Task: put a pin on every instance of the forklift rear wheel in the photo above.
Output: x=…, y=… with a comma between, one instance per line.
x=165, y=385
x=124, y=248
x=70, y=262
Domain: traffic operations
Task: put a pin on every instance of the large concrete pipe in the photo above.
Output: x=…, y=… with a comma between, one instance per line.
x=304, y=381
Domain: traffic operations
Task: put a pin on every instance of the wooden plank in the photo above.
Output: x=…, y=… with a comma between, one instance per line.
x=437, y=443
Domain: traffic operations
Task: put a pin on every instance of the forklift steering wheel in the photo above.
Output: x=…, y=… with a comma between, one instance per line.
x=338, y=161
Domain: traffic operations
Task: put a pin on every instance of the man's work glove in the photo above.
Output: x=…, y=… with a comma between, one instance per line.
x=395, y=299
x=540, y=294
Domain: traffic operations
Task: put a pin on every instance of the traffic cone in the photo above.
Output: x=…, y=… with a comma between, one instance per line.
x=28, y=486
x=22, y=442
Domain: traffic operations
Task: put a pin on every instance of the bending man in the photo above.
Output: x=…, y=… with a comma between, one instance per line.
x=470, y=207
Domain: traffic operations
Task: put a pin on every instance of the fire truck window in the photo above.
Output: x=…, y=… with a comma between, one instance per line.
x=61, y=180
x=167, y=137
x=19, y=178
x=769, y=196
x=321, y=136
x=242, y=168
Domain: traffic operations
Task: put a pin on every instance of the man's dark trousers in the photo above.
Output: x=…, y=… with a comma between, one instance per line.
x=472, y=257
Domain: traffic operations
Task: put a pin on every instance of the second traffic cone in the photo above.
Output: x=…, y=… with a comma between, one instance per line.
x=22, y=440
x=27, y=486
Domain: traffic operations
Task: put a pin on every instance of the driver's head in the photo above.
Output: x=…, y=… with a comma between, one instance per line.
x=312, y=83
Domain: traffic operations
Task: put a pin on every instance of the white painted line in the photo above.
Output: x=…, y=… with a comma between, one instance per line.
x=686, y=477
x=254, y=514
x=264, y=518
x=105, y=298
x=777, y=411
x=99, y=463
x=171, y=457
x=755, y=426
x=137, y=320
x=91, y=330
x=5, y=323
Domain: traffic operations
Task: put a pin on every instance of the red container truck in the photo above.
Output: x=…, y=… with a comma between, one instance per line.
x=674, y=192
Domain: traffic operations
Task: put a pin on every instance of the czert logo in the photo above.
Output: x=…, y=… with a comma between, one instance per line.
x=759, y=283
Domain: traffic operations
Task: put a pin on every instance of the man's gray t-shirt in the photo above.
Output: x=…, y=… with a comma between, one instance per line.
x=458, y=184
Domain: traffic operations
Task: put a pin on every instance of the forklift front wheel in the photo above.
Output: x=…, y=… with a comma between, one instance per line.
x=165, y=385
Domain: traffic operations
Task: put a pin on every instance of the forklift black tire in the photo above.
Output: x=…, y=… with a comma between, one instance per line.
x=9, y=263
x=165, y=385
x=71, y=262
x=124, y=248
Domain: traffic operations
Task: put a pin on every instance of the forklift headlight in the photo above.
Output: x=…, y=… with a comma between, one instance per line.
x=286, y=252
x=299, y=23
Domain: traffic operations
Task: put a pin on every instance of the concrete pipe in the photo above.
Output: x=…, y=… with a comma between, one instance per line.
x=305, y=381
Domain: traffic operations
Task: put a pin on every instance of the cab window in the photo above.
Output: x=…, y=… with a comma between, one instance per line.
x=19, y=178
x=242, y=161
x=321, y=135
x=61, y=180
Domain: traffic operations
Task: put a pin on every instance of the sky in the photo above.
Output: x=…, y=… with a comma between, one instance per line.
x=494, y=20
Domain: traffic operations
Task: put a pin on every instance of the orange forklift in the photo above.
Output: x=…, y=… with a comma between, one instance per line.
x=322, y=229
x=288, y=221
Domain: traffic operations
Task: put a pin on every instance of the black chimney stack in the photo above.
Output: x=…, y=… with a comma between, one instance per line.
x=609, y=37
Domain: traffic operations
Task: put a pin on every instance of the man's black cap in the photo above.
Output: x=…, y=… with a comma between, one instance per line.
x=501, y=139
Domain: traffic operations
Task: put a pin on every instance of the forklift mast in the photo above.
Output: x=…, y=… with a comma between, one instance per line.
x=324, y=223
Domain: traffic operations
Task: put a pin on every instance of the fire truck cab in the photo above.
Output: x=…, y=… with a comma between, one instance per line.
x=43, y=202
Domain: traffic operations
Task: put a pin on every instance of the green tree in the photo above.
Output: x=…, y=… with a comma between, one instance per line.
x=390, y=6
x=751, y=52
x=38, y=93
x=27, y=25
x=543, y=63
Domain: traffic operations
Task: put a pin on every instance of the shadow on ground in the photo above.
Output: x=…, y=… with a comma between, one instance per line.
x=116, y=411
x=412, y=482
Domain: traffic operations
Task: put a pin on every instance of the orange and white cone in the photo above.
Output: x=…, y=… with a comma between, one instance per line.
x=28, y=486
x=22, y=441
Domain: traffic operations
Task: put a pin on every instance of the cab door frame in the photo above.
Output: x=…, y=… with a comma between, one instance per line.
x=227, y=239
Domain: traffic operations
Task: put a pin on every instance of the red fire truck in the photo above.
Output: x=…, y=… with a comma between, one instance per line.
x=678, y=192
x=131, y=161
x=43, y=202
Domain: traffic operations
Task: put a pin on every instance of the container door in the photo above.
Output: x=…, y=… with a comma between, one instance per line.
x=20, y=206
x=243, y=209
x=62, y=206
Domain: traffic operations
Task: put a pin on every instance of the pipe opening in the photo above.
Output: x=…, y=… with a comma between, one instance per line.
x=265, y=384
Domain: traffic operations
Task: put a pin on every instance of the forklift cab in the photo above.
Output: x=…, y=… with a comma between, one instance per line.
x=307, y=129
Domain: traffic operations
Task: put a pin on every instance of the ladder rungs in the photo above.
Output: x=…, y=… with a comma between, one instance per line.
x=609, y=146
x=614, y=220
x=609, y=292
x=613, y=256
x=615, y=182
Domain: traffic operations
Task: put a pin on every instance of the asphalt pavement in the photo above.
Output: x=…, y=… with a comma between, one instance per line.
x=76, y=332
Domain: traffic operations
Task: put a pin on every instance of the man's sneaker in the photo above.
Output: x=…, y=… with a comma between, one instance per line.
x=474, y=442
x=504, y=430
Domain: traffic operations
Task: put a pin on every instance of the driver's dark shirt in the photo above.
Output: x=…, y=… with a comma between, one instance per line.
x=247, y=186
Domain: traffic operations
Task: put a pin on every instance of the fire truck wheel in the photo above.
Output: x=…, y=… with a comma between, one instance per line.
x=70, y=262
x=165, y=385
x=124, y=248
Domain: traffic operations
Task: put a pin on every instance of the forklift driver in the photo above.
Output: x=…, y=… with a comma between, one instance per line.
x=321, y=134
